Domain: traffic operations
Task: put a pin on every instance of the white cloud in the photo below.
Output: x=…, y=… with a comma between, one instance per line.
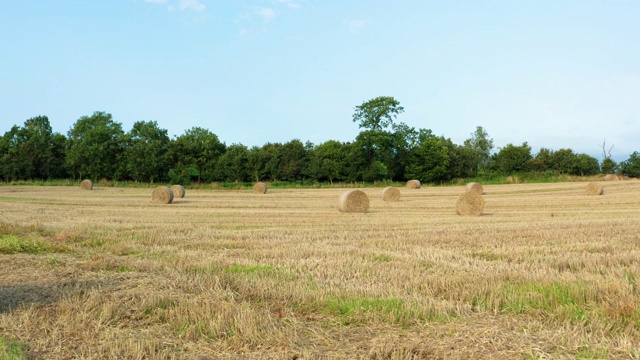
x=289, y=3
x=267, y=14
x=356, y=24
x=183, y=5
x=191, y=5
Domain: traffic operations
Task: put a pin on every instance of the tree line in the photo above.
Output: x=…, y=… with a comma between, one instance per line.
x=96, y=147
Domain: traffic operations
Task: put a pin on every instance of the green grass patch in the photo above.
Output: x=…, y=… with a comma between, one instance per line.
x=10, y=350
x=11, y=244
x=235, y=268
x=362, y=311
x=381, y=258
x=570, y=300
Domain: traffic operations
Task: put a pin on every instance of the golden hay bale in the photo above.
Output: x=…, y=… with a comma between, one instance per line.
x=413, y=184
x=260, y=188
x=390, y=194
x=178, y=191
x=470, y=203
x=86, y=185
x=353, y=201
x=595, y=189
x=162, y=195
x=474, y=186
x=611, y=177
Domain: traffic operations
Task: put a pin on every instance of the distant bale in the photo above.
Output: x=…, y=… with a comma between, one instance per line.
x=162, y=195
x=474, y=186
x=470, y=204
x=260, y=188
x=390, y=194
x=86, y=185
x=178, y=191
x=353, y=201
x=413, y=184
x=594, y=189
x=611, y=177
x=513, y=180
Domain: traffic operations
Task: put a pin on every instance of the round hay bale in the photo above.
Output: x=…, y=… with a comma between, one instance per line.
x=162, y=195
x=413, y=184
x=470, y=203
x=353, y=201
x=474, y=186
x=594, y=188
x=260, y=188
x=178, y=191
x=390, y=194
x=611, y=177
x=86, y=185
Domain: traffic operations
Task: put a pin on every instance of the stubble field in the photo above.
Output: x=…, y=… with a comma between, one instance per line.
x=545, y=272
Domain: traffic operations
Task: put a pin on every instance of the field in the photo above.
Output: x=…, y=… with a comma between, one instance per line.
x=545, y=272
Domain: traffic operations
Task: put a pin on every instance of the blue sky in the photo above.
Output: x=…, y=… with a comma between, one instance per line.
x=553, y=73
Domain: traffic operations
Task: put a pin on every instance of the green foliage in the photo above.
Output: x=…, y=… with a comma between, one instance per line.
x=32, y=152
x=430, y=159
x=377, y=114
x=197, y=148
x=327, y=161
x=233, y=164
x=292, y=160
x=95, y=147
x=631, y=166
x=10, y=350
x=482, y=145
x=609, y=166
x=235, y=268
x=512, y=158
x=146, y=152
x=10, y=244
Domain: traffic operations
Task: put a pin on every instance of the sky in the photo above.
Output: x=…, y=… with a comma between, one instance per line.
x=554, y=73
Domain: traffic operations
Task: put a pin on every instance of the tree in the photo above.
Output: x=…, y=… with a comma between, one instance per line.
x=512, y=158
x=292, y=159
x=95, y=146
x=147, y=152
x=631, y=166
x=543, y=160
x=9, y=147
x=462, y=161
x=482, y=145
x=33, y=151
x=564, y=161
x=199, y=149
x=377, y=114
x=430, y=159
x=327, y=161
x=233, y=164
x=585, y=165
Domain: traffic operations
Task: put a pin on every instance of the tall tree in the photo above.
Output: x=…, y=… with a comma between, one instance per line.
x=512, y=158
x=377, y=114
x=482, y=144
x=33, y=151
x=233, y=164
x=147, y=152
x=327, y=161
x=430, y=159
x=382, y=153
x=197, y=148
x=631, y=166
x=293, y=160
x=95, y=146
